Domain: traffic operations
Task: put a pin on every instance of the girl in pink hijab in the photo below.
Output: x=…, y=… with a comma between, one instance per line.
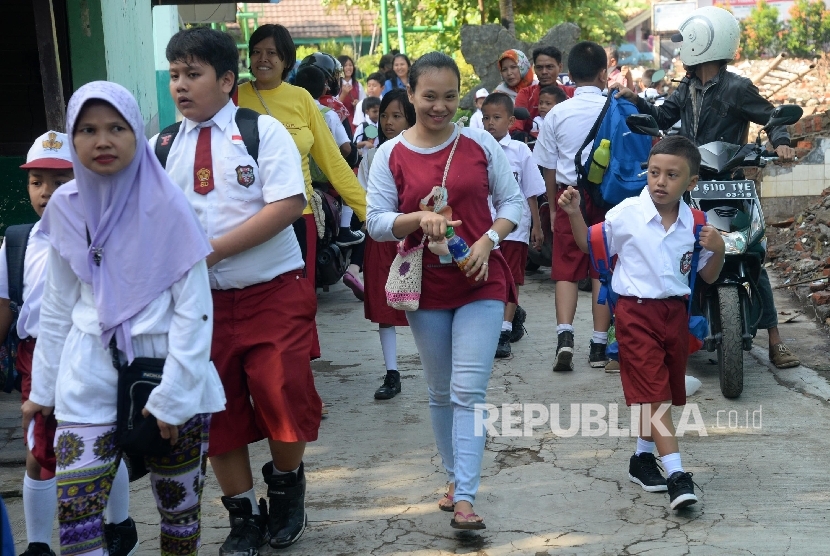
x=126, y=268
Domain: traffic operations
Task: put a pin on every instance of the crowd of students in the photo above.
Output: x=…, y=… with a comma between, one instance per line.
x=197, y=248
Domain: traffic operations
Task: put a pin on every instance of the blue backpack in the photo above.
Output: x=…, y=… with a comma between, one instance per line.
x=624, y=176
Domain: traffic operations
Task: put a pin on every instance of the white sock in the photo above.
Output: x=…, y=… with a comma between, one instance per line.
x=251, y=495
x=564, y=328
x=506, y=326
x=671, y=463
x=40, y=504
x=389, y=347
x=644, y=446
x=118, y=505
x=599, y=337
x=346, y=217
x=278, y=472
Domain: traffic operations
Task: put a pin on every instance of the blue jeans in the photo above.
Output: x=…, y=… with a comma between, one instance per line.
x=457, y=347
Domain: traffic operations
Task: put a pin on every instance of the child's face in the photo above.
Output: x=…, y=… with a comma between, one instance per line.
x=479, y=103
x=104, y=141
x=373, y=88
x=372, y=113
x=668, y=178
x=496, y=120
x=546, y=102
x=393, y=120
x=44, y=182
x=198, y=93
x=435, y=99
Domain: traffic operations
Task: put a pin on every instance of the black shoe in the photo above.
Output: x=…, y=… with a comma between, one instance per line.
x=121, y=538
x=681, y=490
x=585, y=285
x=518, y=324
x=248, y=531
x=347, y=237
x=564, y=352
x=503, y=349
x=286, y=497
x=38, y=549
x=597, y=357
x=390, y=388
x=644, y=471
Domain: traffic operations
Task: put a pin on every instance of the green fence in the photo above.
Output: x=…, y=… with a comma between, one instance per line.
x=15, y=207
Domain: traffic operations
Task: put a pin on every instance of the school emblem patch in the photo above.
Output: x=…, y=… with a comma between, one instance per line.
x=52, y=143
x=686, y=263
x=245, y=175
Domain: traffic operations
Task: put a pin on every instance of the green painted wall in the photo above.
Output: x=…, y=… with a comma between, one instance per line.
x=86, y=42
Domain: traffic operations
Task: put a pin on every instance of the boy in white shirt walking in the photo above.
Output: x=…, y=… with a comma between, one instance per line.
x=497, y=111
x=650, y=234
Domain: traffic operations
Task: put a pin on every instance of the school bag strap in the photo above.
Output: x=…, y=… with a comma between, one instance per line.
x=17, y=239
x=602, y=263
x=247, y=121
x=699, y=222
x=581, y=171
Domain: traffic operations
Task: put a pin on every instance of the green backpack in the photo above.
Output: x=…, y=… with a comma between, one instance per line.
x=317, y=174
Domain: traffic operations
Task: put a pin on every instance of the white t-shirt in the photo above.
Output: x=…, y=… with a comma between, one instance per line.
x=334, y=124
x=34, y=275
x=537, y=126
x=530, y=180
x=652, y=263
x=477, y=120
x=242, y=188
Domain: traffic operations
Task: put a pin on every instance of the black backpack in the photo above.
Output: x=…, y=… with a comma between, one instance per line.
x=247, y=121
x=16, y=240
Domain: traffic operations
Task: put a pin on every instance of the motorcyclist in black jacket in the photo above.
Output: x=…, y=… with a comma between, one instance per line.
x=714, y=104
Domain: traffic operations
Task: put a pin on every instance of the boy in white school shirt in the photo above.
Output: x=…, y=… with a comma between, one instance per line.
x=49, y=166
x=653, y=237
x=497, y=111
x=261, y=342
x=563, y=132
x=476, y=118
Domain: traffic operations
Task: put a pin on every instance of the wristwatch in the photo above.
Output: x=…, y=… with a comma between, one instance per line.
x=494, y=237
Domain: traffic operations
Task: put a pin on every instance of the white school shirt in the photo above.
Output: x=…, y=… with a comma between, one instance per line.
x=477, y=120
x=530, y=180
x=278, y=175
x=536, y=127
x=360, y=135
x=359, y=116
x=653, y=263
x=34, y=274
x=72, y=371
x=334, y=124
x=564, y=129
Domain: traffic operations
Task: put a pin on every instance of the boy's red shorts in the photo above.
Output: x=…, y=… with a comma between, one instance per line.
x=653, y=335
x=515, y=253
x=570, y=264
x=262, y=335
x=45, y=427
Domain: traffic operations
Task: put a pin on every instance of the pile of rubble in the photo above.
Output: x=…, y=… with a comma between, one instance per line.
x=799, y=248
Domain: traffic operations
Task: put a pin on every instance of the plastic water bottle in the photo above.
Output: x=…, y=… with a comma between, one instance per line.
x=459, y=249
x=602, y=156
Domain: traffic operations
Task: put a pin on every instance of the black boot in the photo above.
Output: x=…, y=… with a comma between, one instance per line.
x=248, y=531
x=286, y=496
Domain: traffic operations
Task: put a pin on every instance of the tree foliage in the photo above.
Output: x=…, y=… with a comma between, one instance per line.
x=809, y=28
x=761, y=32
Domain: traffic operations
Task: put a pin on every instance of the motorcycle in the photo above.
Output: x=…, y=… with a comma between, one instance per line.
x=732, y=304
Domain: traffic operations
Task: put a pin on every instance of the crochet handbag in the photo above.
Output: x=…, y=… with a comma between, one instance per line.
x=403, y=287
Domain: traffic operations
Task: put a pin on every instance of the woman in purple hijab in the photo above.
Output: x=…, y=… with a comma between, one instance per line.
x=126, y=263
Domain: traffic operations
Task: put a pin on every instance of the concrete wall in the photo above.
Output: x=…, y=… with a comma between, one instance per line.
x=786, y=191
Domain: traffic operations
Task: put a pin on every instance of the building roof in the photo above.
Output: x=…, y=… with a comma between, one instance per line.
x=310, y=19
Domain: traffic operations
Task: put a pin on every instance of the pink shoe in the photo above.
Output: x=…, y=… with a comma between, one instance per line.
x=354, y=284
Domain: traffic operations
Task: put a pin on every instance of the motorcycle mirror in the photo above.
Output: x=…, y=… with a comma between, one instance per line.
x=643, y=124
x=521, y=113
x=657, y=76
x=371, y=132
x=786, y=114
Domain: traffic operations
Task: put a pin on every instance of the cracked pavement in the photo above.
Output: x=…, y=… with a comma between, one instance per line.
x=374, y=477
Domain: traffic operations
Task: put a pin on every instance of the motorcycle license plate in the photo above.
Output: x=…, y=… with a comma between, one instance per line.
x=738, y=189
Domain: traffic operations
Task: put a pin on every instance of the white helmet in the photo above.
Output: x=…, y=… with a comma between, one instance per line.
x=709, y=34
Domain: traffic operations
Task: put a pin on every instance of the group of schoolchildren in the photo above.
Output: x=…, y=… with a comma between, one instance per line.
x=196, y=265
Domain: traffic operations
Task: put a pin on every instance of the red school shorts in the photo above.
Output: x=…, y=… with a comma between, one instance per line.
x=653, y=336
x=570, y=264
x=45, y=427
x=515, y=253
x=262, y=335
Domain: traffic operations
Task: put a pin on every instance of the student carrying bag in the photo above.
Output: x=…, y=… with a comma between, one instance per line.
x=16, y=240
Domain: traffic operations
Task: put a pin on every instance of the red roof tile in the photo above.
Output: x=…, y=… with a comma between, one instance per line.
x=307, y=19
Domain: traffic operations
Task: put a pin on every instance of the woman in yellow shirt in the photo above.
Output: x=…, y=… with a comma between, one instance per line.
x=272, y=53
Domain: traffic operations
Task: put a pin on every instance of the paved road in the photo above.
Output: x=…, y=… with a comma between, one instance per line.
x=374, y=476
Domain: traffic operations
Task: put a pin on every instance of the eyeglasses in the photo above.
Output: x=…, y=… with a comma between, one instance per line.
x=545, y=68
